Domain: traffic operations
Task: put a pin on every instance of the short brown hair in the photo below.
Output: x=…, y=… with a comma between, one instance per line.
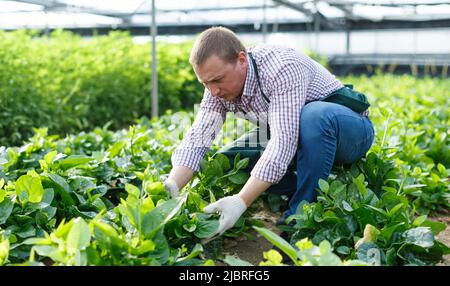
x=218, y=41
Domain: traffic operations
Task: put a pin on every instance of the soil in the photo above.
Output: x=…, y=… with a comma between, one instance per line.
x=444, y=236
x=251, y=250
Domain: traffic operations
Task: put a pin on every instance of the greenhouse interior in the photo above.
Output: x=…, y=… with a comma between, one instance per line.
x=225, y=133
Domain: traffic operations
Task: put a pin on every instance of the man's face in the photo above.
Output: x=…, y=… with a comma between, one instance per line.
x=223, y=80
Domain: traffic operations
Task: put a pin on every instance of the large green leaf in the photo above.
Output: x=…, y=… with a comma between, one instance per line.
x=108, y=238
x=324, y=186
x=445, y=249
x=50, y=251
x=48, y=196
x=365, y=216
x=435, y=226
x=162, y=250
x=79, y=236
x=234, y=261
x=155, y=188
x=387, y=231
x=50, y=156
x=6, y=207
x=239, y=178
x=2, y=195
x=213, y=168
x=420, y=236
x=61, y=187
x=151, y=222
x=206, y=228
x=82, y=184
x=116, y=148
x=73, y=161
x=133, y=190
x=25, y=231
x=278, y=242
x=31, y=186
x=327, y=257
x=41, y=219
x=157, y=217
x=359, y=182
x=241, y=164
x=371, y=253
x=223, y=161
x=144, y=247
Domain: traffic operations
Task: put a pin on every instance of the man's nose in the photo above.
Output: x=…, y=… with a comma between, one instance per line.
x=214, y=89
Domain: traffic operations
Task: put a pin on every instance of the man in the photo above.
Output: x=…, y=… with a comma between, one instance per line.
x=272, y=86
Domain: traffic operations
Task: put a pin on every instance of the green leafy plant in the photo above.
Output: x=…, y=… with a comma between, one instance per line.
x=305, y=253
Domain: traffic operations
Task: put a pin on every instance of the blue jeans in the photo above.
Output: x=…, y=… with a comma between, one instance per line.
x=330, y=134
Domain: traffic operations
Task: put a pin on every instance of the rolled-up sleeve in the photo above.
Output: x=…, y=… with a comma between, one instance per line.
x=288, y=97
x=207, y=124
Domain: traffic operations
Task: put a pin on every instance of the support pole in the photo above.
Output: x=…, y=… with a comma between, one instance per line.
x=316, y=19
x=264, y=25
x=347, y=41
x=154, y=63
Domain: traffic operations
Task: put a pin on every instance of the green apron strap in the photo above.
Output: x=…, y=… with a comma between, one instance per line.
x=257, y=77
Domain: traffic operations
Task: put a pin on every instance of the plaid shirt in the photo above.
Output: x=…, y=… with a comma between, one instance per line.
x=290, y=80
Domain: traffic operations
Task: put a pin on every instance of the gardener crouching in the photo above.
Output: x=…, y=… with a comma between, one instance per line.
x=287, y=91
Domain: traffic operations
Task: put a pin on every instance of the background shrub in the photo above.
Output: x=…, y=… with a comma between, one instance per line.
x=68, y=83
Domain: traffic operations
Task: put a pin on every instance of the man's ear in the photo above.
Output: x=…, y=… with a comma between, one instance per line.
x=242, y=57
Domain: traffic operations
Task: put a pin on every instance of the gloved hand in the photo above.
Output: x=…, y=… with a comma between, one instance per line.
x=171, y=187
x=231, y=209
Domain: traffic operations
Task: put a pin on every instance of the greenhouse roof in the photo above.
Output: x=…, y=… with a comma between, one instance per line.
x=137, y=13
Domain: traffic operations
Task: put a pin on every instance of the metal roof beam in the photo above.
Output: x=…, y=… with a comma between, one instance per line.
x=320, y=20
x=384, y=4
x=296, y=6
x=347, y=9
x=45, y=3
x=55, y=6
x=207, y=9
x=52, y=5
x=191, y=29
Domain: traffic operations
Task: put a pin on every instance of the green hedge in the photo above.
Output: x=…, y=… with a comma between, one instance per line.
x=68, y=83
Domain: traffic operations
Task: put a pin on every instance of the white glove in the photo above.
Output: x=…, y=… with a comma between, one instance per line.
x=171, y=187
x=231, y=209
